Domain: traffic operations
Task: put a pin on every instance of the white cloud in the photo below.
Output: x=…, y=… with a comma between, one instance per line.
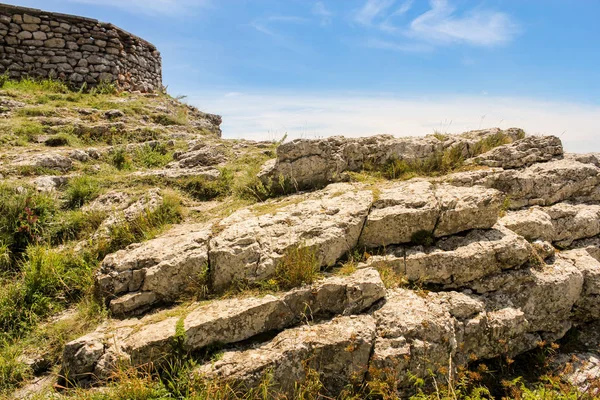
x=270, y=116
x=321, y=11
x=397, y=46
x=371, y=10
x=164, y=7
x=440, y=25
x=477, y=27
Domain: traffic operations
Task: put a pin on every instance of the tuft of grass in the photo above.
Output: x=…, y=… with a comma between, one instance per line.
x=12, y=371
x=80, y=190
x=488, y=143
x=36, y=86
x=298, y=266
x=25, y=217
x=391, y=278
x=120, y=159
x=74, y=224
x=180, y=118
x=204, y=189
x=153, y=156
x=28, y=130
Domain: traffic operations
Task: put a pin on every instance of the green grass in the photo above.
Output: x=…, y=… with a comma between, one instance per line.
x=30, y=85
x=25, y=217
x=120, y=159
x=48, y=280
x=80, y=190
x=152, y=156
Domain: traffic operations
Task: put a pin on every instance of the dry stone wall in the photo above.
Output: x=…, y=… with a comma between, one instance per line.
x=76, y=50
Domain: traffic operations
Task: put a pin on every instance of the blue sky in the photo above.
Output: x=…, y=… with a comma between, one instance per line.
x=360, y=67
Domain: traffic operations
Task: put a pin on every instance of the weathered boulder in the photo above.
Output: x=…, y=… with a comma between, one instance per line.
x=49, y=183
x=423, y=334
x=45, y=160
x=338, y=351
x=545, y=294
x=311, y=163
x=159, y=270
x=561, y=223
x=326, y=223
x=110, y=201
x=457, y=260
x=587, y=308
x=406, y=208
x=202, y=156
x=522, y=153
x=220, y=321
x=591, y=245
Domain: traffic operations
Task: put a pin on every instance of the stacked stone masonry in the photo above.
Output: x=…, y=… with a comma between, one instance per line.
x=76, y=50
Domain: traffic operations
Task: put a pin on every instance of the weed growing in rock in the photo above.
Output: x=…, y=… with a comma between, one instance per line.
x=298, y=266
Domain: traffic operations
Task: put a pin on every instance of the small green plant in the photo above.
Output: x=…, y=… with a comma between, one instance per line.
x=390, y=277
x=104, y=88
x=143, y=227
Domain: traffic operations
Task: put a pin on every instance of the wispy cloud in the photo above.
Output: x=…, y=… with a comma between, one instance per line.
x=477, y=27
x=440, y=25
x=322, y=12
x=153, y=7
x=397, y=46
x=371, y=10
x=265, y=26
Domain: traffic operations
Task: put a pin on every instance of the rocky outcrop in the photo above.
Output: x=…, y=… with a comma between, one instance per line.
x=327, y=223
x=47, y=160
x=221, y=321
x=522, y=153
x=405, y=209
x=312, y=163
x=463, y=283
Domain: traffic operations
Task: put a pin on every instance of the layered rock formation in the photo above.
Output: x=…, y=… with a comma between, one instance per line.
x=494, y=260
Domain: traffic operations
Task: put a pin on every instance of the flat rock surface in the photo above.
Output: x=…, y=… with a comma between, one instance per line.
x=407, y=208
x=328, y=223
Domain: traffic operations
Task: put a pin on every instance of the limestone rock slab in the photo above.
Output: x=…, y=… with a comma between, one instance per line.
x=250, y=245
x=406, y=208
x=338, y=350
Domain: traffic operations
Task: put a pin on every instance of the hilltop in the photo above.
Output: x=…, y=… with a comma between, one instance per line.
x=144, y=256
